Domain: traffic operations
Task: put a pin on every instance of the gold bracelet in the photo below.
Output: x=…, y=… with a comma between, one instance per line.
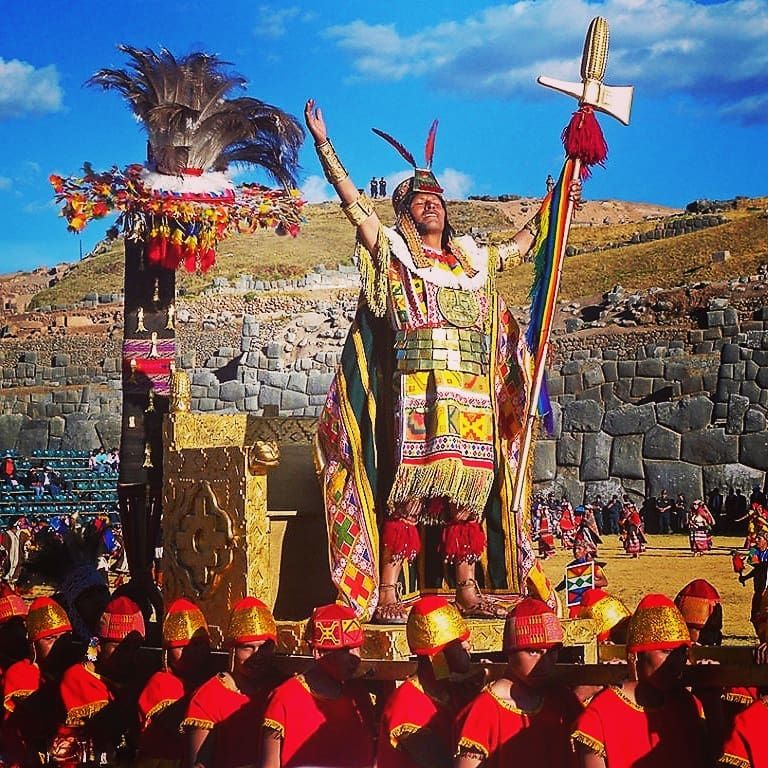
x=358, y=210
x=334, y=171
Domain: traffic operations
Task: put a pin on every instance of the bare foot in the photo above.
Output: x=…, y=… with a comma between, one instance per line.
x=472, y=603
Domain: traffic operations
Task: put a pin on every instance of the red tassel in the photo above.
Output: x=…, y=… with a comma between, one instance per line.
x=190, y=262
x=583, y=140
x=401, y=539
x=155, y=250
x=207, y=259
x=463, y=542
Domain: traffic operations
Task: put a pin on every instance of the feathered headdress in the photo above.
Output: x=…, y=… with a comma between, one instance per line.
x=191, y=122
x=423, y=180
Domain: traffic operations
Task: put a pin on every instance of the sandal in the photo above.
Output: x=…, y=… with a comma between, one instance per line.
x=484, y=607
x=391, y=613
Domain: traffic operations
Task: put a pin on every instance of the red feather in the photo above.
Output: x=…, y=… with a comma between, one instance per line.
x=397, y=145
x=429, y=148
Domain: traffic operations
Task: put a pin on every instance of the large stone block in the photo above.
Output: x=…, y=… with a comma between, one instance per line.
x=80, y=433
x=652, y=367
x=630, y=419
x=737, y=410
x=544, y=461
x=56, y=426
x=108, y=430
x=10, y=427
x=686, y=415
x=569, y=449
x=582, y=416
x=604, y=488
x=319, y=383
x=291, y=401
x=567, y=484
x=661, y=443
x=596, y=453
x=627, y=457
x=593, y=374
x=709, y=446
x=754, y=421
x=753, y=450
x=725, y=476
x=269, y=396
x=232, y=391
x=674, y=477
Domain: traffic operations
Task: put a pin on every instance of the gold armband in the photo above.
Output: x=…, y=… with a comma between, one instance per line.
x=358, y=210
x=332, y=167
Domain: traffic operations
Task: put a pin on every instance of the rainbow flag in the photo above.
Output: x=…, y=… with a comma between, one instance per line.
x=549, y=245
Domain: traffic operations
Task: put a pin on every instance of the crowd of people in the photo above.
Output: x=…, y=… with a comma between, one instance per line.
x=44, y=480
x=115, y=704
x=557, y=520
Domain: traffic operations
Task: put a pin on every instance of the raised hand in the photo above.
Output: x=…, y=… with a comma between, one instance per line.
x=313, y=117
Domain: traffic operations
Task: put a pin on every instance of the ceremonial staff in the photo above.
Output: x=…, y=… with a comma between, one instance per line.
x=584, y=146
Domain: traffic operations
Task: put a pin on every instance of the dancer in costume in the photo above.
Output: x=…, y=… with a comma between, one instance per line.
x=757, y=558
x=424, y=418
x=224, y=714
x=31, y=698
x=100, y=693
x=164, y=701
x=700, y=524
x=417, y=724
x=520, y=719
x=321, y=718
x=650, y=720
x=632, y=534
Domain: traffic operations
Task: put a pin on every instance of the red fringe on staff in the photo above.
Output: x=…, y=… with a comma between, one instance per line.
x=583, y=140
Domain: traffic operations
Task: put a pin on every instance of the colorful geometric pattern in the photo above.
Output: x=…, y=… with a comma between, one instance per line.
x=579, y=577
x=457, y=419
x=153, y=362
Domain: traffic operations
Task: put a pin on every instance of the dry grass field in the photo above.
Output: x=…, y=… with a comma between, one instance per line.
x=666, y=567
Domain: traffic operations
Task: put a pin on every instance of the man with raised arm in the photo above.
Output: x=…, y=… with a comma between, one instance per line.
x=422, y=423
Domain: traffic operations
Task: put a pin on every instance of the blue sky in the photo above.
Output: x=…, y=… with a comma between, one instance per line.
x=698, y=127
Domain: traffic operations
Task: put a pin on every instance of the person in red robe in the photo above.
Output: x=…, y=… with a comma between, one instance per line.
x=650, y=720
x=164, y=701
x=31, y=700
x=100, y=693
x=520, y=719
x=321, y=718
x=608, y=612
x=417, y=724
x=13, y=631
x=745, y=745
x=224, y=714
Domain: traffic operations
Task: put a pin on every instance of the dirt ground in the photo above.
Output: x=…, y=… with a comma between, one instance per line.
x=666, y=567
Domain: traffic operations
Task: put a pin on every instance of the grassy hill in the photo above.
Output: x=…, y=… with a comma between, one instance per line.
x=327, y=238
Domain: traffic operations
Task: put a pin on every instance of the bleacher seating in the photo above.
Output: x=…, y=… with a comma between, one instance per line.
x=86, y=491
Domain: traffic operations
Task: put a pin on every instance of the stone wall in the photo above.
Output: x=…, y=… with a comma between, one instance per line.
x=636, y=411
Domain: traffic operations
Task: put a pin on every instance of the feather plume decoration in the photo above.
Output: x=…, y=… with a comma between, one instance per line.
x=397, y=145
x=429, y=147
x=190, y=120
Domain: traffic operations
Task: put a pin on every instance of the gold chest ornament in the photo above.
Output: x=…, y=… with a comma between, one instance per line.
x=459, y=308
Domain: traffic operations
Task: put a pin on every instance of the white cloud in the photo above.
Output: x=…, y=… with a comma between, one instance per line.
x=316, y=189
x=714, y=53
x=455, y=183
x=25, y=90
x=5, y=182
x=273, y=22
